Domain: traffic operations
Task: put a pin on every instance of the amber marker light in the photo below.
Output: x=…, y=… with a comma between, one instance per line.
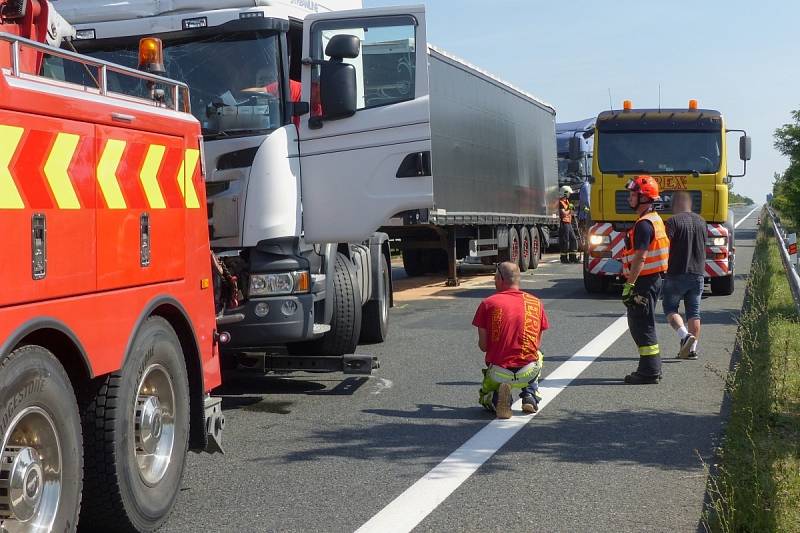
x=627, y=105
x=693, y=104
x=151, y=55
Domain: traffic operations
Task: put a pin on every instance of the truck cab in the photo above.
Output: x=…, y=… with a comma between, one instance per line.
x=683, y=149
x=301, y=149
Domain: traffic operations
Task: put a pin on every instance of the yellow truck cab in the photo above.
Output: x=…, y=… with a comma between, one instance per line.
x=683, y=149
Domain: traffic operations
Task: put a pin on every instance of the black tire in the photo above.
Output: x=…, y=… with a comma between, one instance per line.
x=513, y=246
x=722, y=286
x=413, y=262
x=536, y=248
x=525, y=249
x=115, y=491
x=592, y=282
x=375, y=315
x=33, y=388
x=346, y=321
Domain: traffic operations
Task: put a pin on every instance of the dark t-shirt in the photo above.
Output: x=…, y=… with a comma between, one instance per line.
x=687, y=244
x=643, y=235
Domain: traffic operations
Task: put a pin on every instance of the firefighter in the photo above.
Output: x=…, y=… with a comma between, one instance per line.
x=510, y=325
x=566, y=233
x=644, y=263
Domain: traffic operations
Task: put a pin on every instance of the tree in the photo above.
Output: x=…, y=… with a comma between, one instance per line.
x=786, y=187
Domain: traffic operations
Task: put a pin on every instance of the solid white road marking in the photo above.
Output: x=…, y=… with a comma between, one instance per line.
x=745, y=217
x=554, y=260
x=406, y=511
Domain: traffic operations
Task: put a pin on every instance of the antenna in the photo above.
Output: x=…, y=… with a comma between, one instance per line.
x=610, y=102
x=659, y=98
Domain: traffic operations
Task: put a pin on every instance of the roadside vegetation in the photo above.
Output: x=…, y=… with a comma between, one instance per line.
x=786, y=187
x=734, y=198
x=755, y=487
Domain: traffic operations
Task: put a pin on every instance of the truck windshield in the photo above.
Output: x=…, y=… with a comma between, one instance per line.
x=233, y=78
x=659, y=152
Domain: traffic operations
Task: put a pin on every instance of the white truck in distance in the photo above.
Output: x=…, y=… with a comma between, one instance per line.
x=304, y=161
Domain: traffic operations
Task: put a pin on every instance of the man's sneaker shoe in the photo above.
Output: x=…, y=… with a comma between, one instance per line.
x=686, y=346
x=503, y=408
x=692, y=356
x=529, y=405
x=635, y=378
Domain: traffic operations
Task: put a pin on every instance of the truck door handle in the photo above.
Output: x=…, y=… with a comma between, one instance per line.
x=121, y=117
x=415, y=165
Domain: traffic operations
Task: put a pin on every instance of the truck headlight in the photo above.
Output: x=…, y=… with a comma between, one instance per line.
x=596, y=240
x=279, y=283
x=718, y=241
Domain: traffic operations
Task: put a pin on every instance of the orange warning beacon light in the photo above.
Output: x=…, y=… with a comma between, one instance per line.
x=692, y=104
x=627, y=105
x=151, y=55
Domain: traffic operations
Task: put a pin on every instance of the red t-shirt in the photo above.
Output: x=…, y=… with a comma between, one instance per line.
x=506, y=317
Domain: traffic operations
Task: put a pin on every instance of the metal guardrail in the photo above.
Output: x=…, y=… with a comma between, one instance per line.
x=791, y=270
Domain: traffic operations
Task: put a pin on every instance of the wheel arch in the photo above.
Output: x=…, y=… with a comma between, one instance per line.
x=175, y=314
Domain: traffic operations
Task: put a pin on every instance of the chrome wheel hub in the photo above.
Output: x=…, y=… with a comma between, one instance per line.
x=154, y=424
x=23, y=468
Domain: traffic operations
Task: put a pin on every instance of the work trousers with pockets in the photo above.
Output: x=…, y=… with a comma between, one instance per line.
x=525, y=379
x=567, y=239
x=642, y=324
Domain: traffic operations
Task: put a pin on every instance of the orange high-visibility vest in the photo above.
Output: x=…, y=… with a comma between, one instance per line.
x=657, y=257
x=563, y=205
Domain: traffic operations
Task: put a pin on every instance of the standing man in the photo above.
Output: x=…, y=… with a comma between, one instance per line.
x=684, y=281
x=510, y=325
x=644, y=263
x=566, y=233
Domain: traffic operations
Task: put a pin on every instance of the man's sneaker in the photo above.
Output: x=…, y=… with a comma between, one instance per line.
x=503, y=408
x=635, y=378
x=692, y=356
x=529, y=405
x=686, y=346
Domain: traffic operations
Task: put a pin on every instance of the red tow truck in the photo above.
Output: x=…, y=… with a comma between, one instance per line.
x=108, y=341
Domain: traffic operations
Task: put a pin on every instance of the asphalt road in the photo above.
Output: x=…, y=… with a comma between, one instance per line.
x=327, y=453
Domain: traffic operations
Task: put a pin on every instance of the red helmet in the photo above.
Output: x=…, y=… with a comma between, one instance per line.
x=645, y=186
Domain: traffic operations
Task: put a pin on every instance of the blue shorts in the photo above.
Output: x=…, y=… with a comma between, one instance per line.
x=686, y=287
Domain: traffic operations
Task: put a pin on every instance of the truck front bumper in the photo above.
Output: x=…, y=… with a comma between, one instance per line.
x=287, y=319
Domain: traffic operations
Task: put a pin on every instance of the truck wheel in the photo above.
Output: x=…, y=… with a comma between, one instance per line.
x=413, y=262
x=375, y=314
x=513, y=246
x=722, y=286
x=592, y=282
x=136, y=430
x=536, y=248
x=42, y=458
x=525, y=249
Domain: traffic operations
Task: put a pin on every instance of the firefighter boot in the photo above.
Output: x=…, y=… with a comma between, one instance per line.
x=649, y=369
x=573, y=257
x=503, y=406
x=564, y=258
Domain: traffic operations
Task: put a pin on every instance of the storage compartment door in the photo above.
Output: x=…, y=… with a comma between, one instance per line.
x=365, y=145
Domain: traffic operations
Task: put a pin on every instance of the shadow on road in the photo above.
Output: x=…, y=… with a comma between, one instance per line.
x=251, y=392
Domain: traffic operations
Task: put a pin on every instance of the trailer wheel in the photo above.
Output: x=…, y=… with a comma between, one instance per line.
x=375, y=315
x=136, y=429
x=536, y=248
x=513, y=246
x=722, y=286
x=41, y=467
x=413, y=262
x=525, y=249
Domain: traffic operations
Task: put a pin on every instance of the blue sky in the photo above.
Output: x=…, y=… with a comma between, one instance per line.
x=740, y=57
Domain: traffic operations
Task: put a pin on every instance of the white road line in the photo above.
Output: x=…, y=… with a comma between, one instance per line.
x=554, y=260
x=406, y=511
x=745, y=217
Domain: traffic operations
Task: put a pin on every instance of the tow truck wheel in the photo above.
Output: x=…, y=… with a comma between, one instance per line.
x=722, y=286
x=41, y=465
x=136, y=432
x=375, y=314
x=592, y=282
x=525, y=249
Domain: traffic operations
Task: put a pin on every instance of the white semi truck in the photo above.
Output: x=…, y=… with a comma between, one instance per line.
x=304, y=160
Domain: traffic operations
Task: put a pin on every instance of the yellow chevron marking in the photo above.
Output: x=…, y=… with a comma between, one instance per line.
x=56, y=170
x=149, y=176
x=9, y=195
x=107, y=174
x=188, y=166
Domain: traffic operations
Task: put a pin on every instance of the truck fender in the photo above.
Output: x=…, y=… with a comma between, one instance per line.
x=42, y=324
x=329, y=252
x=378, y=244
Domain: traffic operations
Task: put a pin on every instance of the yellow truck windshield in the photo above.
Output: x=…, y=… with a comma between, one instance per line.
x=660, y=152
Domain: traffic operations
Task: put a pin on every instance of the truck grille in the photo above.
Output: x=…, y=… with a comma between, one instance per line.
x=622, y=207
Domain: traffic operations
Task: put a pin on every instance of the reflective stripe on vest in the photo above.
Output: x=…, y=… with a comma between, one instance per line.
x=563, y=205
x=657, y=257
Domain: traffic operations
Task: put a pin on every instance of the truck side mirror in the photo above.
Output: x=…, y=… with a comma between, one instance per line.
x=744, y=148
x=337, y=81
x=574, y=148
x=14, y=9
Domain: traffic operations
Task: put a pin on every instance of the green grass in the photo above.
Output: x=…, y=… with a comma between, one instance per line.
x=756, y=485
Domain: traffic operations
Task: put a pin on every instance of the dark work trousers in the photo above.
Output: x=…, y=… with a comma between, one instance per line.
x=567, y=240
x=642, y=323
